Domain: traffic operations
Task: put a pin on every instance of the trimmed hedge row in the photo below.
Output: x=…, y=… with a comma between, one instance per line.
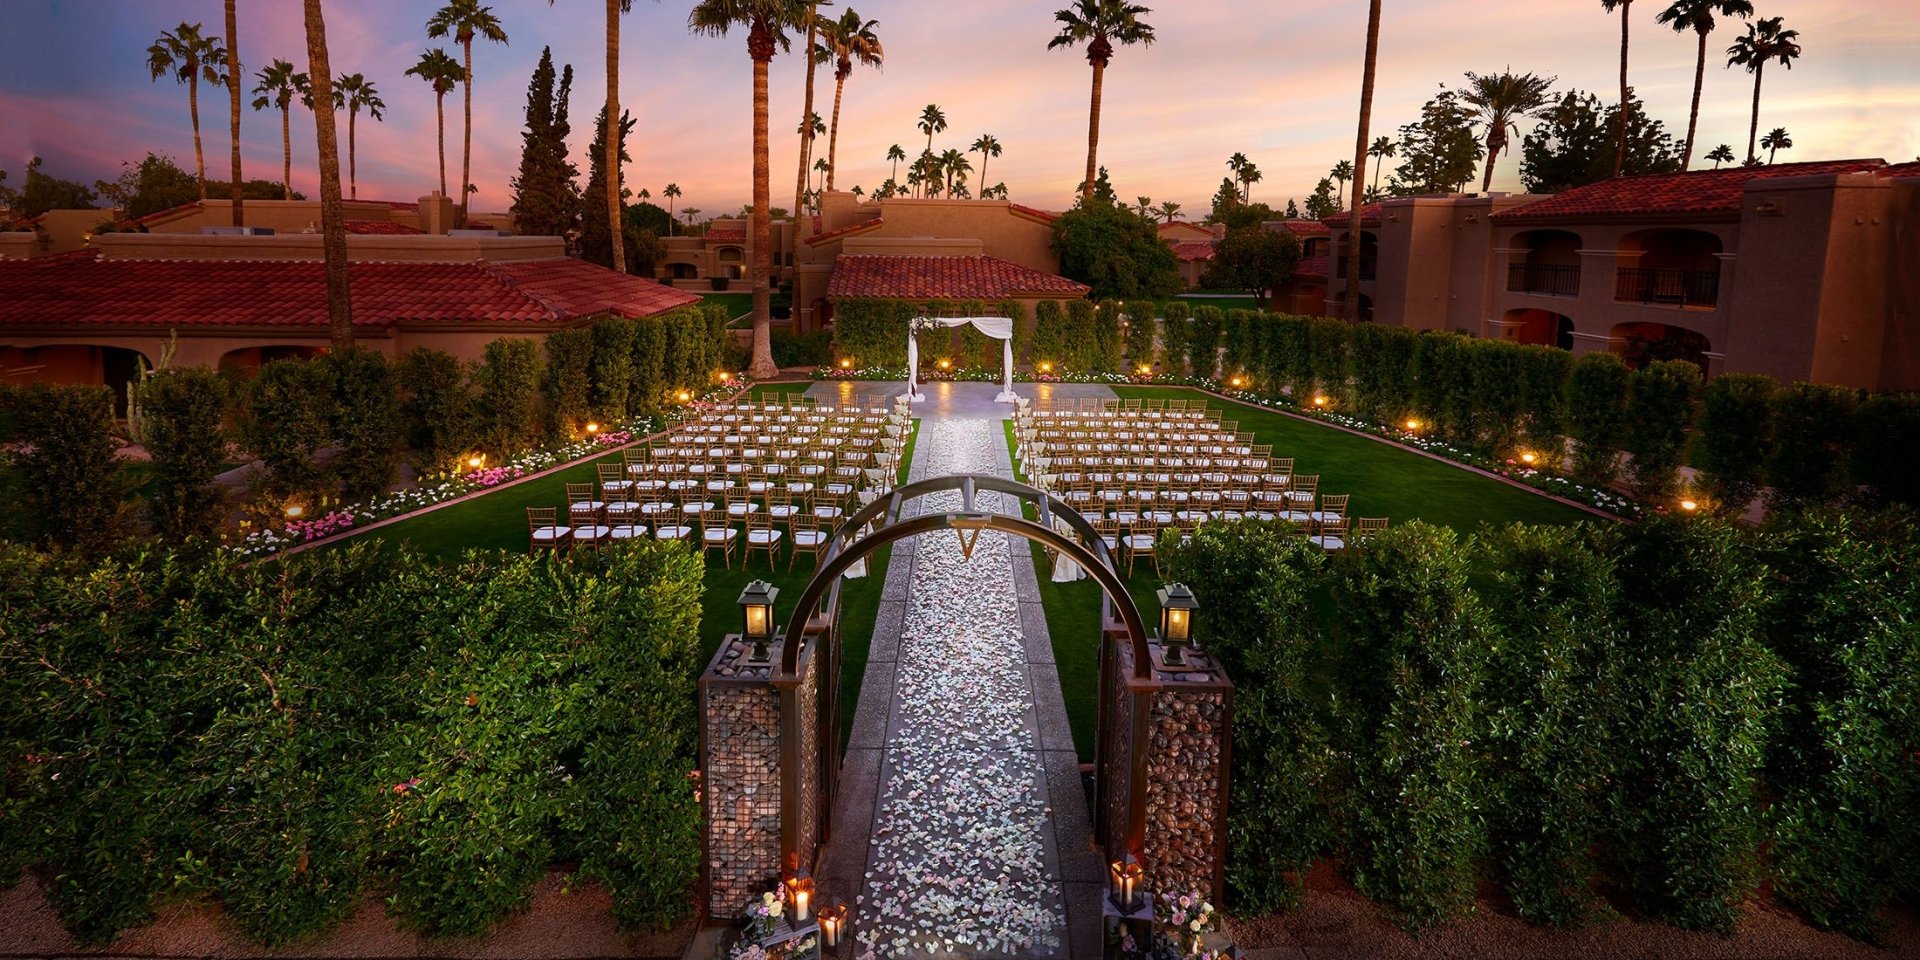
x=1644, y=707
x=291, y=738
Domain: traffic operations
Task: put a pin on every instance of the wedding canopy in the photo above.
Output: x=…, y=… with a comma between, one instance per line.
x=999, y=328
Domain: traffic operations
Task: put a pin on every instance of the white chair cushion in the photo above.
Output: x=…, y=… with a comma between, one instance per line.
x=1328, y=542
x=718, y=534
x=628, y=531
x=763, y=537
x=673, y=532
x=1139, y=541
x=592, y=532
x=549, y=534
x=811, y=538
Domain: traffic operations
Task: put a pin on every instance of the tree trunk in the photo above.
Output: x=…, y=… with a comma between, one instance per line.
x=193, y=109
x=611, y=162
x=1753, y=126
x=440, y=123
x=1626, y=96
x=353, y=152
x=760, y=45
x=833, y=132
x=286, y=150
x=1359, y=157
x=1496, y=142
x=1693, y=115
x=1093, y=130
x=466, y=140
x=233, y=112
x=806, y=124
x=333, y=227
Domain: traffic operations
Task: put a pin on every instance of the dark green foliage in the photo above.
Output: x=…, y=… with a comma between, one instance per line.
x=1659, y=408
x=1115, y=251
x=1554, y=695
x=1596, y=415
x=508, y=401
x=811, y=349
x=1016, y=311
x=1576, y=139
x=1241, y=349
x=1255, y=584
x=366, y=422
x=288, y=418
x=1889, y=432
x=40, y=192
x=1107, y=343
x=1051, y=334
x=1813, y=428
x=1084, y=351
x=1254, y=258
x=1176, y=337
x=568, y=380
x=65, y=470
x=1328, y=359
x=157, y=183
x=1440, y=152
x=693, y=354
x=1443, y=384
x=1383, y=371
x=1417, y=642
x=613, y=379
x=183, y=408
x=1493, y=380
x=1701, y=691
x=1203, y=351
x=596, y=239
x=872, y=332
x=1542, y=393
x=436, y=408
x=1842, y=768
x=544, y=197
x=1736, y=439
x=1142, y=333
x=649, y=365
x=977, y=350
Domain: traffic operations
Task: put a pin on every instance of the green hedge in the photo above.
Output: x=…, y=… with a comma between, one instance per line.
x=1597, y=415
x=1176, y=338
x=1052, y=335
x=1142, y=334
x=65, y=469
x=1736, y=439
x=436, y=409
x=365, y=422
x=291, y=737
x=507, y=389
x=1659, y=407
x=185, y=408
x=1813, y=431
x=287, y=418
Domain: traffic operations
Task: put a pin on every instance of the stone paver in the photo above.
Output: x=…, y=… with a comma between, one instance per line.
x=955, y=400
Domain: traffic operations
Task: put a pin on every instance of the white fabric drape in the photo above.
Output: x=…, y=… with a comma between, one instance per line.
x=999, y=328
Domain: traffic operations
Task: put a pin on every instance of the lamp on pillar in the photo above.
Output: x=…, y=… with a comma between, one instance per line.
x=1123, y=883
x=756, y=618
x=800, y=892
x=1177, y=607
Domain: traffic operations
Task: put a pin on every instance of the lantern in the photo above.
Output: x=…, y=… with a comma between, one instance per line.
x=1177, y=606
x=800, y=891
x=1123, y=883
x=756, y=617
x=833, y=925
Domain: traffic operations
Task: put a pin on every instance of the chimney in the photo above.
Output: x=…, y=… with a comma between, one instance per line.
x=436, y=214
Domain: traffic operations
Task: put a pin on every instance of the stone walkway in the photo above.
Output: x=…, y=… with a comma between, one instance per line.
x=961, y=825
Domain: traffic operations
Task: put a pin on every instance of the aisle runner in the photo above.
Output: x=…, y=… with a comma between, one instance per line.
x=961, y=856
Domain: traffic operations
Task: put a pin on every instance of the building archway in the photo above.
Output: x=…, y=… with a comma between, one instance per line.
x=247, y=361
x=1642, y=343
x=1545, y=262
x=76, y=364
x=682, y=271
x=1674, y=266
x=1545, y=327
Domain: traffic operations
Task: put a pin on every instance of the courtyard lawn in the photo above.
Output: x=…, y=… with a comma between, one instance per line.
x=1385, y=481
x=1223, y=302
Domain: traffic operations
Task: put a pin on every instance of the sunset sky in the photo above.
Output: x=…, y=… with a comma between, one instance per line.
x=1275, y=79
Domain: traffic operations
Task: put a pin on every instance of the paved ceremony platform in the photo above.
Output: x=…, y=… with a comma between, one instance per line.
x=965, y=401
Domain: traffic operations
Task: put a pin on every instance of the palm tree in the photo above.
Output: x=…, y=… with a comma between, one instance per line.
x=443, y=73
x=932, y=121
x=1360, y=158
x=333, y=226
x=351, y=93
x=987, y=146
x=1775, y=140
x=1167, y=211
x=233, y=112
x=1249, y=175
x=766, y=22
x=189, y=57
x=1764, y=41
x=279, y=84
x=895, y=154
x=693, y=216
x=1143, y=206
x=1341, y=173
x=852, y=41
x=1099, y=24
x=1382, y=148
x=1626, y=96
x=611, y=160
x=820, y=166
x=1700, y=17
x=1496, y=99
x=463, y=20
x=809, y=12
x=1721, y=154
x=672, y=193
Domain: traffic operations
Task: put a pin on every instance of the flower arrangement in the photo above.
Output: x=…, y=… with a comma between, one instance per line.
x=764, y=914
x=1189, y=917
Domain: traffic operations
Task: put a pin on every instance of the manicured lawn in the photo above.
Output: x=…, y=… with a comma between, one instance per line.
x=1385, y=481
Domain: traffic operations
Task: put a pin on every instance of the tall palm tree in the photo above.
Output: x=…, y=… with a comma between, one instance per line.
x=986, y=146
x=672, y=193
x=1700, y=17
x=895, y=154
x=1168, y=211
x=1721, y=154
x=443, y=73
x=820, y=167
x=333, y=226
x=1341, y=173
x=353, y=93
x=1237, y=164
x=1249, y=175
x=1626, y=96
x=1360, y=158
x=187, y=56
x=1382, y=148
x=852, y=41
x=766, y=22
x=279, y=84
x=932, y=120
x=1765, y=41
x=693, y=216
x=954, y=163
x=611, y=158
x=233, y=113
x=1496, y=99
x=809, y=17
x=1776, y=140
x=463, y=20
x=1100, y=24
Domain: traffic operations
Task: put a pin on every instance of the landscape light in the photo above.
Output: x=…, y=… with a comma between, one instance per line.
x=295, y=511
x=1146, y=368
x=1177, y=606
x=1123, y=881
x=1320, y=401
x=945, y=363
x=1413, y=424
x=1046, y=368
x=593, y=428
x=685, y=396
x=1689, y=505
x=476, y=460
x=756, y=617
x=1238, y=382
x=1528, y=458
x=846, y=363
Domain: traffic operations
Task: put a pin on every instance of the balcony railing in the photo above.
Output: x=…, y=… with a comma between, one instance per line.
x=1367, y=265
x=1690, y=288
x=1552, y=279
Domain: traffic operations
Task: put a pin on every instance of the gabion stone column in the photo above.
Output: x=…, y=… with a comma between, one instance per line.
x=740, y=779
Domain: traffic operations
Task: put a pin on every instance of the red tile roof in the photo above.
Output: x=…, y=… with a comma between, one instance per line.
x=717, y=235
x=1369, y=214
x=383, y=228
x=1693, y=192
x=945, y=278
x=86, y=290
x=1033, y=212
x=1194, y=249
x=850, y=228
x=1314, y=267
x=1310, y=228
x=1901, y=170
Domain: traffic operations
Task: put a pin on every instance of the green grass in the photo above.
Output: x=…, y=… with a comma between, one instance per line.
x=1385, y=481
x=1224, y=303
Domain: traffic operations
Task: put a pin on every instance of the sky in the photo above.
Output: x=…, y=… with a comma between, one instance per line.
x=1277, y=80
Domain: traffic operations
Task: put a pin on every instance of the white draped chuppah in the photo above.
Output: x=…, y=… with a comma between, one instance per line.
x=999, y=328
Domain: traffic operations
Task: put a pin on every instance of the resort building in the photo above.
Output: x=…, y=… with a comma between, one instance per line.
x=721, y=257
x=1193, y=244
x=1802, y=271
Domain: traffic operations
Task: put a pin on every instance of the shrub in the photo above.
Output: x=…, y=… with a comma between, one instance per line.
x=1554, y=692
x=1084, y=354
x=436, y=408
x=1115, y=251
x=1842, y=765
x=650, y=382
x=1736, y=439
x=1542, y=390
x=1416, y=642
x=1701, y=687
x=1383, y=371
x=1659, y=409
x=1596, y=415
x=568, y=380
x=1813, y=437
x=613, y=373
x=1889, y=432
x=1176, y=338
x=184, y=407
x=1443, y=385
x=686, y=353
x=1496, y=402
x=366, y=422
x=1051, y=335
x=1203, y=351
x=1329, y=358
x=1240, y=350
x=1255, y=584
x=871, y=332
x=288, y=421
x=508, y=404
x=66, y=471
x=1142, y=333
x=813, y=348
x=1107, y=342
x=1016, y=311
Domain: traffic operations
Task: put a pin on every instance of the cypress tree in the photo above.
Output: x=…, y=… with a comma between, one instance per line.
x=596, y=244
x=545, y=199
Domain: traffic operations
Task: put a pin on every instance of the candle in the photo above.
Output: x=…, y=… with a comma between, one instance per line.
x=800, y=899
x=830, y=923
